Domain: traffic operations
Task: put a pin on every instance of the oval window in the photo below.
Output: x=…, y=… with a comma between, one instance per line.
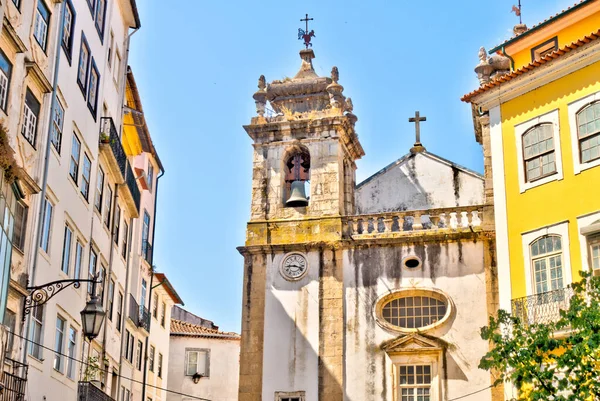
x=414, y=310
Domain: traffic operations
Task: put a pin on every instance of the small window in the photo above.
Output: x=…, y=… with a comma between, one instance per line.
x=85, y=176
x=21, y=211
x=138, y=355
x=117, y=225
x=68, y=29
x=35, y=347
x=117, y=68
x=84, y=65
x=78, y=259
x=145, y=233
x=111, y=45
x=42, y=18
x=66, y=259
x=197, y=362
x=75, y=155
x=588, y=132
x=46, y=226
x=100, y=13
x=72, y=347
x=163, y=313
x=538, y=152
x=125, y=247
x=595, y=253
x=150, y=176
x=546, y=260
x=99, y=190
x=291, y=396
x=108, y=206
x=155, y=306
x=411, y=262
x=414, y=312
x=119, y=311
x=159, y=365
x=59, y=343
x=111, y=299
x=10, y=321
x=5, y=74
x=93, y=89
x=151, y=358
x=544, y=49
x=414, y=382
x=31, y=113
x=57, y=126
x=92, y=268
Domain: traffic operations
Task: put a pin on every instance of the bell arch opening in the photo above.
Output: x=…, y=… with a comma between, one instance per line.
x=296, y=166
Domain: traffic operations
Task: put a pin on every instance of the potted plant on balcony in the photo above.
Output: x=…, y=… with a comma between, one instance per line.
x=104, y=138
x=93, y=372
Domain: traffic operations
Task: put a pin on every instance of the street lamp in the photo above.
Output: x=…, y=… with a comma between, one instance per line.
x=92, y=315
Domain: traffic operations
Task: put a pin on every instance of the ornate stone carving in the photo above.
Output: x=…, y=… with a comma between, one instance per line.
x=349, y=106
x=335, y=74
x=492, y=67
x=260, y=97
x=262, y=83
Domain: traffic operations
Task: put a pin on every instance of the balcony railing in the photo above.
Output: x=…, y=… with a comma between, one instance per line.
x=380, y=224
x=86, y=391
x=139, y=314
x=110, y=138
x=14, y=378
x=542, y=308
x=147, y=252
x=112, y=148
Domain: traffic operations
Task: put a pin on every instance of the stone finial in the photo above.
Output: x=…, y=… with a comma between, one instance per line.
x=260, y=97
x=262, y=84
x=335, y=74
x=519, y=29
x=482, y=55
x=491, y=67
x=349, y=106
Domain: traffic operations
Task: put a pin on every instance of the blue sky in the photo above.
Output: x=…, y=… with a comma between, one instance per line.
x=197, y=63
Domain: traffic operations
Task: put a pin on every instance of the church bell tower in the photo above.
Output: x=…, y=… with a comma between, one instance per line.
x=303, y=180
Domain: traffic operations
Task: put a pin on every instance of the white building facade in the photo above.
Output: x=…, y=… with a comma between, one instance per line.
x=203, y=361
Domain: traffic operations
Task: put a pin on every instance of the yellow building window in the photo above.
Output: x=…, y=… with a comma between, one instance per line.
x=546, y=259
x=588, y=132
x=544, y=49
x=595, y=253
x=538, y=152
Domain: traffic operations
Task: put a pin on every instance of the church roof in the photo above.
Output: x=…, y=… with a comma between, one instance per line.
x=181, y=328
x=426, y=154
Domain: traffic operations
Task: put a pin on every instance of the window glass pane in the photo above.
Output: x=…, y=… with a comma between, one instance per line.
x=67, y=250
x=75, y=153
x=414, y=312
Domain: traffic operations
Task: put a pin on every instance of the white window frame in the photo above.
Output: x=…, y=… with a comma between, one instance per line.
x=41, y=25
x=520, y=129
x=5, y=83
x=72, y=352
x=572, y=110
x=547, y=256
x=86, y=176
x=29, y=127
x=58, y=119
x=432, y=359
x=583, y=229
x=45, y=240
x=286, y=395
x=561, y=229
x=36, y=326
x=59, y=344
x=198, y=352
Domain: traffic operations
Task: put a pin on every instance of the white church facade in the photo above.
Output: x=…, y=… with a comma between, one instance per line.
x=373, y=291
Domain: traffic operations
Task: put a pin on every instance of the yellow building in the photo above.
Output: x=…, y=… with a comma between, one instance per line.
x=537, y=115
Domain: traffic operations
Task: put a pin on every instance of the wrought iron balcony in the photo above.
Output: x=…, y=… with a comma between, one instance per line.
x=116, y=159
x=147, y=252
x=86, y=391
x=111, y=147
x=139, y=314
x=14, y=378
x=542, y=308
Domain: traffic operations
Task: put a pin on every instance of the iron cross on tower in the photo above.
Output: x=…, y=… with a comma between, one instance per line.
x=417, y=119
x=305, y=34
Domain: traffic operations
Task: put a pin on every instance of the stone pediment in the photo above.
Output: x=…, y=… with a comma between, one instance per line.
x=413, y=342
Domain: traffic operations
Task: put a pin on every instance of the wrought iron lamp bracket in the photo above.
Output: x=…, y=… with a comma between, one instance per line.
x=41, y=294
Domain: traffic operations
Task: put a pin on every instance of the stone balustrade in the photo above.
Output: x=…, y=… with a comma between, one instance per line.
x=414, y=220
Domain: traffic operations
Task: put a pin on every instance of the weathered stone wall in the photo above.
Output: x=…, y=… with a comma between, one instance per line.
x=454, y=267
x=417, y=182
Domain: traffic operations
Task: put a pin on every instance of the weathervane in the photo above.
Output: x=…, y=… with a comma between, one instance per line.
x=305, y=34
x=517, y=11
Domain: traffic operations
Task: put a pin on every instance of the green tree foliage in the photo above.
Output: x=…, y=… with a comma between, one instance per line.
x=556, y=361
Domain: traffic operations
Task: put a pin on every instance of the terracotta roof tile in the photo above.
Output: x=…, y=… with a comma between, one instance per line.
x=534, y=64
x=181, y=328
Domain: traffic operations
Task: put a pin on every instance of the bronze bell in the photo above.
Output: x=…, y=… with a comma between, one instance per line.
x=297, y=195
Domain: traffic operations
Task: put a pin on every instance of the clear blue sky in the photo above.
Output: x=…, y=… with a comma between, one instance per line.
x=197, y=63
